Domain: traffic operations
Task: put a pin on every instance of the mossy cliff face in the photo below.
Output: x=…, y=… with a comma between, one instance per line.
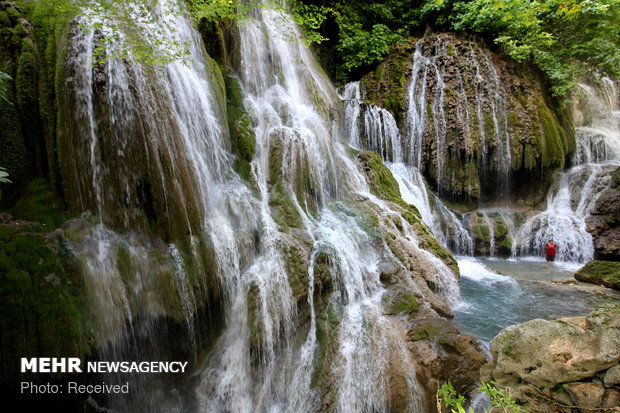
x=43, y=293
x=383, y=184
x=17, y=57
x=56, y=304
x=494, y=231
x=31, y=39
x=138, y=175
x=604, y=221
x=482, y=127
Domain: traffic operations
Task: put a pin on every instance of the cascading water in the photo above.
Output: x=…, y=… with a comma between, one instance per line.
x=474, y=98
x=157, y=144
x=368, y=126
x=568, y=204
x=297, y=152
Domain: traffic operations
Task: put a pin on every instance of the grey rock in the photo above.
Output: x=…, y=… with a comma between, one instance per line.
x=612, y=377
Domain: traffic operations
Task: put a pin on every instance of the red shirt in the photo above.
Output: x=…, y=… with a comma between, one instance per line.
x=550, y=249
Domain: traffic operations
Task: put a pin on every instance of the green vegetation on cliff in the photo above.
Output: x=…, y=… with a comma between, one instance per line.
x=42, y=310
x=242, y=136
x=382, y=184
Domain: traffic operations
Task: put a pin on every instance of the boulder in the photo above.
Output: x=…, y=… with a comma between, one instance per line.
x=533, y=358
x=605, y=273
x=612, y=377
x=586, y=395
x=611, y=399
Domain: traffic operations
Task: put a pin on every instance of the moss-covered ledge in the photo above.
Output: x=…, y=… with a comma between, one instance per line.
x=383, y=185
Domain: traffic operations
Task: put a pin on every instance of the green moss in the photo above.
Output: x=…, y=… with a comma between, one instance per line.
x=379, y=72
x=286, y=214
x=27, y=96
x=507, y=344
x=482, y=232
x=555, y=145
x=522, y=100
x=427, y=331
x=42, y=300
x=605, y=273
x=513, y=120
x=615, y=178
x=450, y=49
x=382, y=184
x=12, y=151
x=39, y=203
x=529, y=157
x=429, y=113
x=489, y=125
x=327, y=324
x=500, y=228
x=297, y=272
x=506, y=243
x=406, y=304
x=124, y=264
x=242, y=136
x=381, y=181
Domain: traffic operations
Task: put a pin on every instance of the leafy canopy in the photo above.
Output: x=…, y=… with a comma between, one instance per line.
x=564, y=38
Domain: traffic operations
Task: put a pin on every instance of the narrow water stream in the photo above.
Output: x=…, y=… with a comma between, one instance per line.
x=496, y=293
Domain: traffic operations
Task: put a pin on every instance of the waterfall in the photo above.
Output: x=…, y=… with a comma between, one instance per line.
x=572, y=197
x=368, y=126
x=475, y=99
x=291, y=104
x=156, y=146
x=159, y=167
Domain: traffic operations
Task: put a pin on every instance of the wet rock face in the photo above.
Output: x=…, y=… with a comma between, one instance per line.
x=604, y=222
x=551, y=364
x=478, y=127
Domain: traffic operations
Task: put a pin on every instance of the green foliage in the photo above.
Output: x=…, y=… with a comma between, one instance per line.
x=5, y=80
x=361, y=47
x=447, y=396
x=499, y=398
x=563, y=38
x=4, y=178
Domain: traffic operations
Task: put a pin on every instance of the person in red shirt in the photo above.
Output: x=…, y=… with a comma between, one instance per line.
x=551, y=248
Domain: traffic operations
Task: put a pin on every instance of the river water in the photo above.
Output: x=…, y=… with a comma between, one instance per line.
x=496, y=293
